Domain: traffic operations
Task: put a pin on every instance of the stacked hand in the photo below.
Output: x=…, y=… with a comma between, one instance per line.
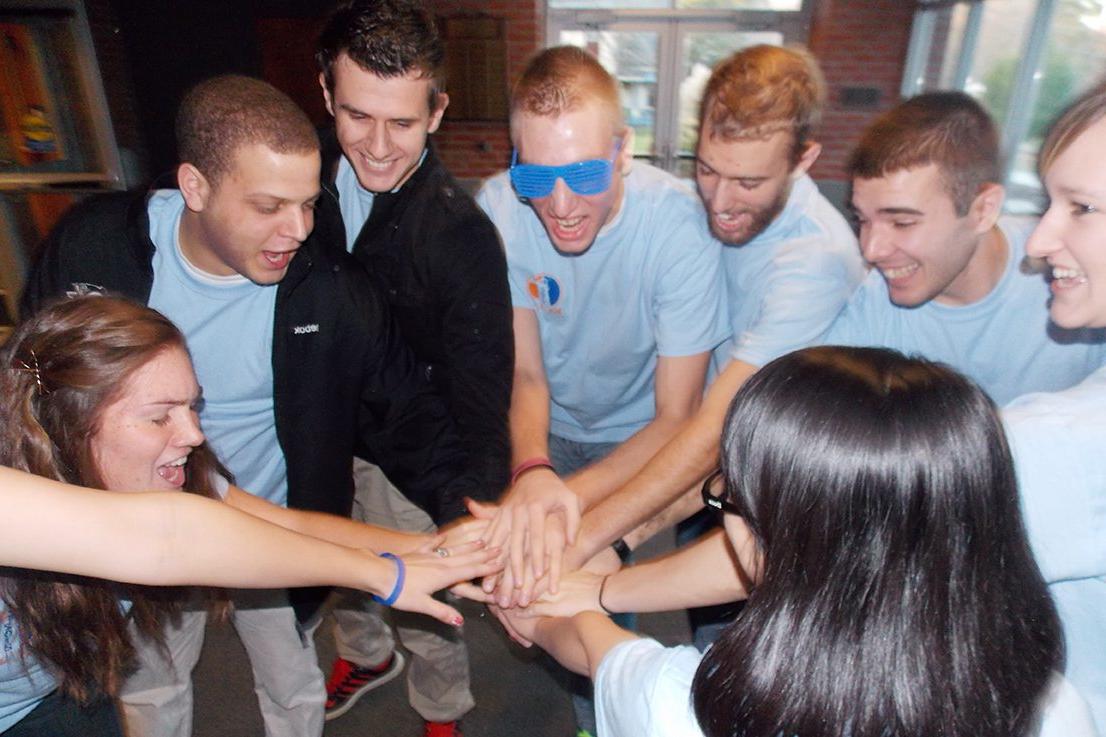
x=537, y=519
x=437, y=565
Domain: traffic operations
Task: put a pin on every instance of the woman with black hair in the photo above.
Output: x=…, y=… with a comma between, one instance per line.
x=871, y=504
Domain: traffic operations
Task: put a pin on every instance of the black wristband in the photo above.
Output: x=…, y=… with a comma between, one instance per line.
x=621, y=549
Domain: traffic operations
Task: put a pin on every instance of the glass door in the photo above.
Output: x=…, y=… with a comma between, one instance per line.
x=662, y=63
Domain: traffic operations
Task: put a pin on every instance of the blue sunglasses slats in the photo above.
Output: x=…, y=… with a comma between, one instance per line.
x=582, y=177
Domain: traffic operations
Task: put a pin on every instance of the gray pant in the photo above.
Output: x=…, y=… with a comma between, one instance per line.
x=157, y=698
x=438, y=674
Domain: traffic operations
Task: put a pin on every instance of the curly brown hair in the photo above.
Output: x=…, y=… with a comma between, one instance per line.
x=58, y=371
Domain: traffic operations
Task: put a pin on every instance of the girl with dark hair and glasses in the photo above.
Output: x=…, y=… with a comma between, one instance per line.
x=871, y=505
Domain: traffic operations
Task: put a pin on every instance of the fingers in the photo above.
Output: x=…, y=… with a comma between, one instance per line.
x=537, y=540
x=480, y=510
x=490, y=583
x=467, y=590
x=509, y=627
x=518, y=540
x=534, y=590
x=463, y=530
x=430, y=544
x=499, y=528
x=505, y=592
x=441, y=612
x=555, y=560
x=526, y=590
x=470, y=560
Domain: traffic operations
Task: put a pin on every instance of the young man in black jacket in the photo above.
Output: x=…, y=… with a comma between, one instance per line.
x=301, y=363
x=438, y=260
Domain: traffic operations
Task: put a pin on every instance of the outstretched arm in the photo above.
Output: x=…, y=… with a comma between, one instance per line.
x=330, y=527
x=578, y=643
x=683, y=462
x=176, y=538
x=537, y=491
x=703, y=573
x=678, y=394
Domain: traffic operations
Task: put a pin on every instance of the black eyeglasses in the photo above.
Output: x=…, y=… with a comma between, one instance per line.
x=717, y=502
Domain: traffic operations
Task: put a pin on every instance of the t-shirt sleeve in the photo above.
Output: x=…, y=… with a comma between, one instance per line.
x=219, y=485
x=491, y=198
x=851, y=325
x=644, y=689
x=1064, y=712
x=806, y=290
x=690, y=303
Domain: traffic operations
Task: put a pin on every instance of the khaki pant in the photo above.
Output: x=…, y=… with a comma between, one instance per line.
x=438, y=673
x=157, y=699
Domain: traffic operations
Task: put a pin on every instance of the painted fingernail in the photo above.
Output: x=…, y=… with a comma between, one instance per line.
x=457, y=621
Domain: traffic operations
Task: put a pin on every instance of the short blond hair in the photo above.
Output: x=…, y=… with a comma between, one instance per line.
x=762, y=90
x=563, y=79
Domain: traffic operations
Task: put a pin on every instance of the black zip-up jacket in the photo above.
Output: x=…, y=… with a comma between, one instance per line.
x=344, y=382
x=439, y=262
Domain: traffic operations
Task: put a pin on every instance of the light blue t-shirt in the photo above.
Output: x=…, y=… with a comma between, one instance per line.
x=1059, y=445
x=649, y=286
x=788, y=284
x=228, y=322
x=1004, y=342
x=354, y=201
x=23, y=682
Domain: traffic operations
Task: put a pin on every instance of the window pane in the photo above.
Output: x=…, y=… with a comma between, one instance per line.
x=631, y=56
x=625, y=4
x=1001, y=40
x=1073, y=60
x=681, y=4
x=948, y=44
x=700, y=53
x=742, y=4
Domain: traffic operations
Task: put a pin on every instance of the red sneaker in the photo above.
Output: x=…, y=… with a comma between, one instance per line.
x=348, y=682
x=442, y=729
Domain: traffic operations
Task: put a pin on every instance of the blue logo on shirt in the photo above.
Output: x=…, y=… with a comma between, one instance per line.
x=545, y=290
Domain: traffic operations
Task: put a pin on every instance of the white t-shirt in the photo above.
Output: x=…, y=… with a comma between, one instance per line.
x=643, y=689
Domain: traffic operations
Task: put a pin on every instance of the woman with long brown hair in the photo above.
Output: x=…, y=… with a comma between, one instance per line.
x=100, y=392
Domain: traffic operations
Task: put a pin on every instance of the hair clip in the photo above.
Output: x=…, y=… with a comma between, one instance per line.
x=33, y=369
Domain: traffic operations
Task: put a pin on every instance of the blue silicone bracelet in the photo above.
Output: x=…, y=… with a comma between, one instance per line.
x=401, y=573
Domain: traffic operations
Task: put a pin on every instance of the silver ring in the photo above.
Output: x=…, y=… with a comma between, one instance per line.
x=441, y=552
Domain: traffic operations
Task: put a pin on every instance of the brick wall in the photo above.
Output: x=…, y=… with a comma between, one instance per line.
x=477, y=149
x=860, y=43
